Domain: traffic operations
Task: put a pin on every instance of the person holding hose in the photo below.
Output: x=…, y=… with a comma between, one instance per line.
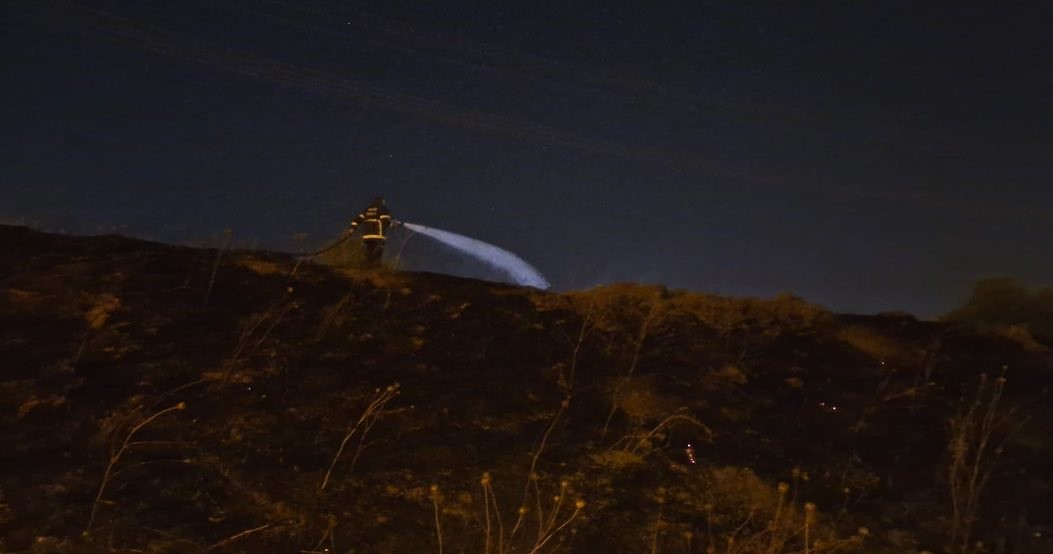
x=375, y=222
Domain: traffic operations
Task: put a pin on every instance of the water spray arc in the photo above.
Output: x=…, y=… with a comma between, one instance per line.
x=521, y=272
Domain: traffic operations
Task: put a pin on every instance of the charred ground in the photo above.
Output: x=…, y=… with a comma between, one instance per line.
x=473, y=400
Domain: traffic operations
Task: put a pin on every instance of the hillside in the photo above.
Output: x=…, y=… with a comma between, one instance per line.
x=167, y=399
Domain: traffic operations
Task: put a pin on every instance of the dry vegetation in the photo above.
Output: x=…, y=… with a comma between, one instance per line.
x=266, y=419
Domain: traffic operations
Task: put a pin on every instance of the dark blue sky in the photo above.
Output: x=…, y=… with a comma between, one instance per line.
x=867, y=156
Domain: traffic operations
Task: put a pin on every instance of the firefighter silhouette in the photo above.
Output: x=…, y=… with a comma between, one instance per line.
x=375, y=222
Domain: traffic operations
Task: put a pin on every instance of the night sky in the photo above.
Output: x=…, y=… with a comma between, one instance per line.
x=868, y=156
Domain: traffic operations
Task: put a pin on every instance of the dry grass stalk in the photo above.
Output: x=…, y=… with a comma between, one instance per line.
x=976, y=437
x=237, y=536
x=548, y=525
x=637, y=347
x=115, y=457
x=435, y=506
x=369, y=417
x=215, y=267
x=788, y=530
x=247, y=335
x=531, y=476
x=567, y=381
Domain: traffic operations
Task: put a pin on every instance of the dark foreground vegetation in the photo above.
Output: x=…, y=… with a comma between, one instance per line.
x=167, y=399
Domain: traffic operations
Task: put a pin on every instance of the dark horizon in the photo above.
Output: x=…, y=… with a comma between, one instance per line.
x=867, y=158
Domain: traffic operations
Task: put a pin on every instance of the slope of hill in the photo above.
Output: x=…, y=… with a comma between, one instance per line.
x=168, y=399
